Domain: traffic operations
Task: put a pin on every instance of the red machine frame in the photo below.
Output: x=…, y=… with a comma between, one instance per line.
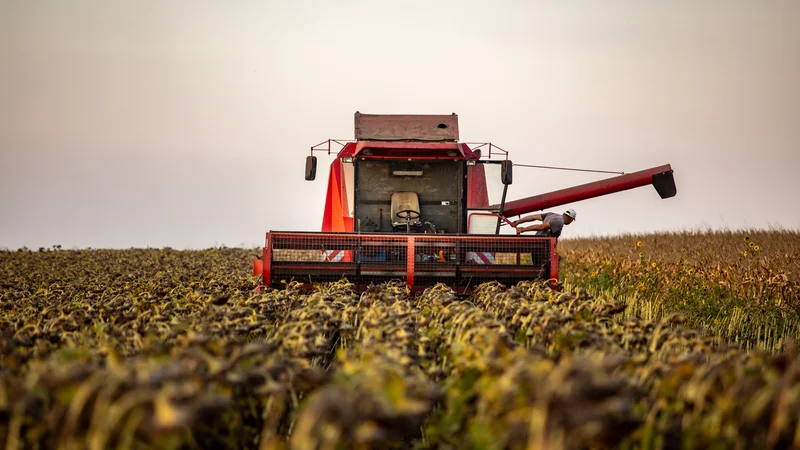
x=342, y=250
x=312, y=251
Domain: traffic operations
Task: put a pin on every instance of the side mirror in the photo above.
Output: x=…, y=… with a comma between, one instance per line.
x=506, y=172
x=311, y=167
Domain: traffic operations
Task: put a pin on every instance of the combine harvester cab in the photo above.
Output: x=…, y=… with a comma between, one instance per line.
x=407, y=201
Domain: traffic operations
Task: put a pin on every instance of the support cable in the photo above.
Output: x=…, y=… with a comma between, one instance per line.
x=569, y=168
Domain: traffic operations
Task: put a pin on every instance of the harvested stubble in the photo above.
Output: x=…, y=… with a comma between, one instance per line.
x=166, y=349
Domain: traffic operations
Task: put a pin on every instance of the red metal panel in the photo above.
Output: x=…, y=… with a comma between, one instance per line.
x=410, y=258
x=415, y=150
x=348, y=150
x=331, y=216
x=405, y=154
x=352, y=241
x=468, y=152
x=421, y=146
x=267, y=263
x=334, y=218
x=477, y=191
x=403, y=127
x=553, y=265
x=583, y=191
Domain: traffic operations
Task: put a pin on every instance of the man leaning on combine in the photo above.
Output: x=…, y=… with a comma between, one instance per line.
x=551, y=225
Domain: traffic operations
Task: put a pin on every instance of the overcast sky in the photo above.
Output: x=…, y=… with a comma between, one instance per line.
x=186, y=123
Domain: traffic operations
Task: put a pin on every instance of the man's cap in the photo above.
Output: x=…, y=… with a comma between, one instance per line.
x=571, y=213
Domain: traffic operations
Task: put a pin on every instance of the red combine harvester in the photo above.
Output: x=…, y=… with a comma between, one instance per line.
x=407, y=201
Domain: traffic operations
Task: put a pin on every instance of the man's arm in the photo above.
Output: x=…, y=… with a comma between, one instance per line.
x=527, y=219
x=537, y=227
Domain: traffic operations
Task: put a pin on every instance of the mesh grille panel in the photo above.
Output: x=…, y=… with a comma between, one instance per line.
x=421, y=260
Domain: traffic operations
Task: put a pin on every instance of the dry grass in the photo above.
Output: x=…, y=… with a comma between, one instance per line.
x=742, y=286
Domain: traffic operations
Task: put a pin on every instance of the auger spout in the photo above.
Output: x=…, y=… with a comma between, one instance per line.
x=660, y=177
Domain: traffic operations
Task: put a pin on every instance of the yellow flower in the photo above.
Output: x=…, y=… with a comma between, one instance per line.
x=751, y=244
x=744, y=254
x=639, y=244
x=654, y=264
x=756, y=247
x=641, y=255
x=746, y=238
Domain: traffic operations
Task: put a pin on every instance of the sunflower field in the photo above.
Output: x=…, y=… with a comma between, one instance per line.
x=167, y=349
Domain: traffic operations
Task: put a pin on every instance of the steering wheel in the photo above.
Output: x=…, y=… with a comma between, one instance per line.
x=408, y=214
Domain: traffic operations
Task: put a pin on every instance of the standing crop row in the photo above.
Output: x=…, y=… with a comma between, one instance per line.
x=179, y=353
